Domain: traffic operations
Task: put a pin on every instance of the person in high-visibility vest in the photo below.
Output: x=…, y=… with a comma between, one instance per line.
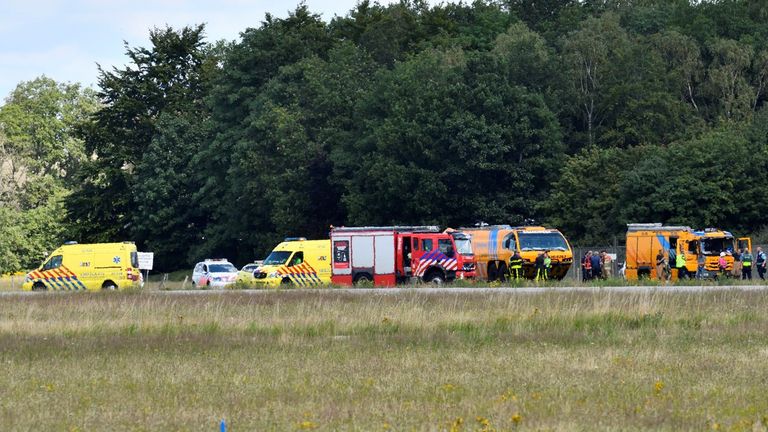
x=682, y=272
x=516, y=266
x=746, y=264
x=547, y=265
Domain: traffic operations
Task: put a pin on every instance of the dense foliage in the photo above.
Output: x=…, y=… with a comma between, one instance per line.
x=585, y=115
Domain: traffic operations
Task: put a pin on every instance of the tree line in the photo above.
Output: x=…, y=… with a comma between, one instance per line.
x=583, y=115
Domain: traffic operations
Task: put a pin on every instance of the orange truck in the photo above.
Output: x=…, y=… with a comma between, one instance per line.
x=645, y=240
x=494, y=246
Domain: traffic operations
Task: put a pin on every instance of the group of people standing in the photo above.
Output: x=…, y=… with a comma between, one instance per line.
x=596, y=265
x=542, y=265
x=743, y=262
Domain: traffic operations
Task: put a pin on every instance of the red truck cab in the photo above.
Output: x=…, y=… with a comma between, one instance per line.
x=390, y=255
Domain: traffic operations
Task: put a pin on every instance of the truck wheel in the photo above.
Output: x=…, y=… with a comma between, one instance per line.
x=435, y=277
x=362, y=279
x=38, y=286
x=109, y=285
x=285, y=282
x=502, y=272
x=491, y=271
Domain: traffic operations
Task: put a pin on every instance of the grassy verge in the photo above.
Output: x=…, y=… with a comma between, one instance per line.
x=294, y=360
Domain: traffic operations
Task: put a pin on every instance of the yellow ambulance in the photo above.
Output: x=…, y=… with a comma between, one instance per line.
x=296, y=261
x=78, y=267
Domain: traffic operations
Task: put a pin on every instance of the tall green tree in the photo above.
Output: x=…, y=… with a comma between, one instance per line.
x=728, y=81
x=166, y=78
x=593, y=57
x=465, y=144
x=257, y=118
x=39, y=155
x=39, y=119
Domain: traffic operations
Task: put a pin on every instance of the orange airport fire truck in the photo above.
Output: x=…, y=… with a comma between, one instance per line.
x=494, y=245
x=397, y=254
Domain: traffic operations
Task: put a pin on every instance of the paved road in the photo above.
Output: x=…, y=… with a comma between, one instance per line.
x=442, y=290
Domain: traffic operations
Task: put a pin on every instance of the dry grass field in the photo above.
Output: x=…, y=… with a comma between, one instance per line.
x=332, y=361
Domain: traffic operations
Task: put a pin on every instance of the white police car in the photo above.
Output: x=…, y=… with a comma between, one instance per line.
x=214, y=273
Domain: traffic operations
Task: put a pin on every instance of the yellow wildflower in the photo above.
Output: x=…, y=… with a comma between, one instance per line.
x=456, y=425
x=306, y=424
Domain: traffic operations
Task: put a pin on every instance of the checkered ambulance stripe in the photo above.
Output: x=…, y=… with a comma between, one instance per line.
x=302, y=274
x=58, y=279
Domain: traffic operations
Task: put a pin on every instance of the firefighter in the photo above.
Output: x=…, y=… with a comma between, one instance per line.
x=516, y=266
x=540, y=269
x=746, y=264
x=547, y=265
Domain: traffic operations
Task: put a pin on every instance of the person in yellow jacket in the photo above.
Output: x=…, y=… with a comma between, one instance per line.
x=682, y=272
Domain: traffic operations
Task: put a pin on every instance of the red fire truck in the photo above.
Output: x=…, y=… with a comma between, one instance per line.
x=395, y=254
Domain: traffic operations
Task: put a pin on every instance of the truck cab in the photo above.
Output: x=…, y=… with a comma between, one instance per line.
x=713, y=241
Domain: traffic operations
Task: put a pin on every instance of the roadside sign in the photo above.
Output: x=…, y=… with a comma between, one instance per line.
x=146, y=260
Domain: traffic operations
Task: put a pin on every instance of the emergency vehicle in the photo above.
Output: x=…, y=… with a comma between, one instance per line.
x=214, y=273
x=395, y=254
x=494, y=245
x=296, y=261
x=645, y=240
x=74, y=267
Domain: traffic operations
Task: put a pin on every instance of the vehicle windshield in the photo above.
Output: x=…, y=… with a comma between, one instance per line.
x=221, y=268
x=250, y=267
x=542, y=241
x=713, y=246
x=277, y=258
x=463, y=245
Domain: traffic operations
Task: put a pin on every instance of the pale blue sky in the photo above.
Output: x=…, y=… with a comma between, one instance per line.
x=64, y=39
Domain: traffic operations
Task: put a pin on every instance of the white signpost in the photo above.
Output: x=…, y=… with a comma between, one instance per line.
x=146, y=261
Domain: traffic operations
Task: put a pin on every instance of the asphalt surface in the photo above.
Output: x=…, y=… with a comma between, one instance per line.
x=440, y=290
